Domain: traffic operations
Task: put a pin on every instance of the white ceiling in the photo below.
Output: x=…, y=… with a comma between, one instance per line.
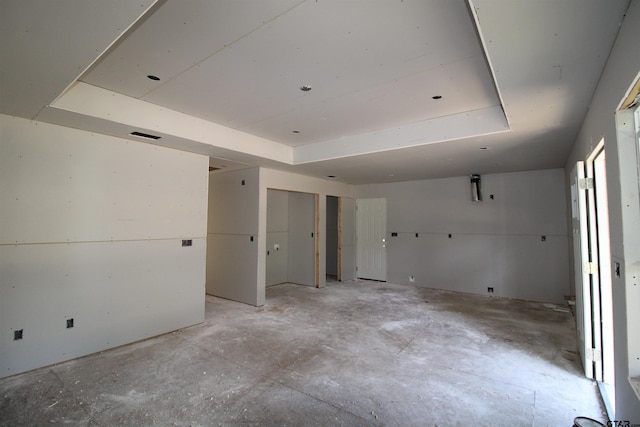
x=515, y=77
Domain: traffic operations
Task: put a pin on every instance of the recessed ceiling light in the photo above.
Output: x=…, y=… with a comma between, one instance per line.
x=305, y=88
x=436, y=97
x=152, y=77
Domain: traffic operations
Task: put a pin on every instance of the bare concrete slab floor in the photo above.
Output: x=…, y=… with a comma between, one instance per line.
x=352, y=354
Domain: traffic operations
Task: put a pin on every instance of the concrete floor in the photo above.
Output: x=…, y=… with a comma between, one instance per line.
x=353, y=354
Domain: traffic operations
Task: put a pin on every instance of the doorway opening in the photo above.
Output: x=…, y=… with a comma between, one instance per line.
x=333, y=254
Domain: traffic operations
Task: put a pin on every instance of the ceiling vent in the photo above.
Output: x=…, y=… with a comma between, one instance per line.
x=145, y=136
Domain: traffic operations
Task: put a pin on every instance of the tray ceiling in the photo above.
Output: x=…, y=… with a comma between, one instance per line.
x=399, y=89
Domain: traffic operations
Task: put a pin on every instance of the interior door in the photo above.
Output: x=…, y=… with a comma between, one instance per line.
x=594, y=267
x=600, y=247
x=371, y=231
x=580, y=228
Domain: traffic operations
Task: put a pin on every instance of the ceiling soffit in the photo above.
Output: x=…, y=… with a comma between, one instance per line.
x=373, y=70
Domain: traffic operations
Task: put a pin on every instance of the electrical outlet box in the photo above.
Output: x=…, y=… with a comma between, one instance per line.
x=187, y=242
x=490, y=290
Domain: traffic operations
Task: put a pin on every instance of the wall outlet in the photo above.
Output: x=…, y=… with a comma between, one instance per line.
x=490, y=290
x=412, y=279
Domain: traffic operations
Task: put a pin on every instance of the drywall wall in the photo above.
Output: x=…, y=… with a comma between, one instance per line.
x=232, y=238
x=332, y=236
x=238, y=232
x=302, y=242
x=91, y=229
x=290, y=248
x=274, y=179
x=515, y=242
x=621, y=71
x=277, y=237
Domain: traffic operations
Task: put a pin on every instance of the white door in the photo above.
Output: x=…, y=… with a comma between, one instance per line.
x=601, y=254
x=594, y=274
x=371, y=230
x=580, y=228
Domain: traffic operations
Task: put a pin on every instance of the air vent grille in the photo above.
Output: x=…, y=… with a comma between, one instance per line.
x=145, y=135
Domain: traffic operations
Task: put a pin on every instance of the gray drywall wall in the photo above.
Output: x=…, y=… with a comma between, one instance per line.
x=620, y=73
x=232, y=239
x=277, y=247
x=274, y=179
x=237, y=267
x=495, y=243
x=332, y=236
x=302, y=243
x=91, y=228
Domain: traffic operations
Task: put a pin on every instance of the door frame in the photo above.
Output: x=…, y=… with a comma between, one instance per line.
x=600, y=246
x=582, y=281
x=594, y=305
